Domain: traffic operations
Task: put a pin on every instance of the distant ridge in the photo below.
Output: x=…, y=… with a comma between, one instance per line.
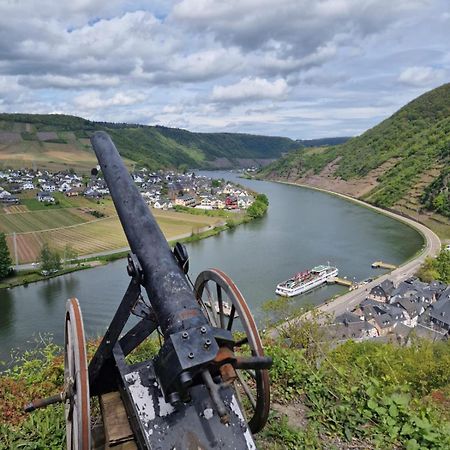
x=26, y=138
x=402, y=163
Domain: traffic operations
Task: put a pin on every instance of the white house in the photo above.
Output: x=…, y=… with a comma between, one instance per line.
x=48, y=187
x=65, y=187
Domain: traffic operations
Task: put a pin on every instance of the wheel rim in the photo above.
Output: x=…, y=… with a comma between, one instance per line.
x=252, y=387
x=77, y=408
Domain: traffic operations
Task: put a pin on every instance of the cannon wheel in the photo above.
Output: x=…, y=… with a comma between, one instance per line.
x=254, y=384
x=77, y=408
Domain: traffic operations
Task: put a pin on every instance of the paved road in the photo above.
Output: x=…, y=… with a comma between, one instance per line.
x=349, y=301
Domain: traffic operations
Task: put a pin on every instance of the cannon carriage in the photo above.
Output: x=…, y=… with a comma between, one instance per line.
x=207, y=386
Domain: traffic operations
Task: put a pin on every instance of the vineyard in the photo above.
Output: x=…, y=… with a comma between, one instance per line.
x=81, y=230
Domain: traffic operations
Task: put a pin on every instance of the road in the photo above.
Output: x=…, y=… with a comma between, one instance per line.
x=349, y=301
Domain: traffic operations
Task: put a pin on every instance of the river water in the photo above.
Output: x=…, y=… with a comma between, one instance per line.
x=303, y=228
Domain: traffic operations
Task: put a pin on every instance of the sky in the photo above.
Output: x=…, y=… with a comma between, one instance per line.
x=297, y=68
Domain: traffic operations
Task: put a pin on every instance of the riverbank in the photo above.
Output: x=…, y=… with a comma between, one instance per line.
x=26, y=274
x=350, y=300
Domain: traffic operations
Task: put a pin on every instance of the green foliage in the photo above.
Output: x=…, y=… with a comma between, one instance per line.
x=369, y=392
x=259, y=207
x=413, y=140
x=5, y=258
x=370, y=395
x=437, y=194
x=69, y=254
x=437, y=268
x=157, y=147
x=50, y=260
x=97, y=214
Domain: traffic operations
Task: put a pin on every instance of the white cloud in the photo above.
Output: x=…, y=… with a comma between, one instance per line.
x=251, y=89
x=96, y=100
x=421, y=76
x=320, y=66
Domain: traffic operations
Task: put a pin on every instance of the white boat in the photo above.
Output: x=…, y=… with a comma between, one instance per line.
x=305, y=281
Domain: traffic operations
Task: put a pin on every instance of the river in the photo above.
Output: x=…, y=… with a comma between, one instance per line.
x=303, y=228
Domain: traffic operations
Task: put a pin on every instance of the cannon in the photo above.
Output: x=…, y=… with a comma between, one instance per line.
x=208, y=385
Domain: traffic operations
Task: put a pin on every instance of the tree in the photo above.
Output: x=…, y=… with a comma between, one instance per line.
x=5, y=258
x=50, y=259
x=70, y=254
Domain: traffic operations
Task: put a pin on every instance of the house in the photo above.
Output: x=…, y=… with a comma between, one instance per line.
x=185, y=200
x=48, y=187
x=382, y=292
x=74, y=192
x=440, y=314
x=92, y=193
x=422, y=331
x=413, y=308
x=245, y=201
x=350, y=326
x=9, y=200
x=28, y=186
x=218, y=204
x=64, y=187
x=206, y=203
x=383, y=316
x=231, y=202
x=163, y=204
x=45, y=197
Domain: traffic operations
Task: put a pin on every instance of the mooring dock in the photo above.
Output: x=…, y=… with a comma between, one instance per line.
x=383, y=265
x=341, y=281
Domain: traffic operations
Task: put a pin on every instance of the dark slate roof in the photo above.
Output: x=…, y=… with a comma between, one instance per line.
x=356, y=330
x=347, y=318
x=404, y=289
x=445, y=293
x=441, y=310
x=387, y=286
x=438, y=286
x=412, y=308
x=383, y=314
x=422, y=331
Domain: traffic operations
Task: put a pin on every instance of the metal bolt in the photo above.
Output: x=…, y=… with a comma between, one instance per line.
x=185, y=379
x=185, y=335
x=174, y=400
x=203, y=330
x=191, y=355
x=207, y=343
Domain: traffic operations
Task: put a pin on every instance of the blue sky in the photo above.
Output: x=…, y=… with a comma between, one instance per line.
x=297, y=68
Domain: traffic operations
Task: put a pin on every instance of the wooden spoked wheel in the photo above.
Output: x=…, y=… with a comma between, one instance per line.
x=225, y=307
x=77, y=408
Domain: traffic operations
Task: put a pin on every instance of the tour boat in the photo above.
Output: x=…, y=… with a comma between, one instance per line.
x=305, y=281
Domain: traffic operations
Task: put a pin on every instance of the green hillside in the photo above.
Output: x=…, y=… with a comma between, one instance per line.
x=406, y=159
x=24, y=136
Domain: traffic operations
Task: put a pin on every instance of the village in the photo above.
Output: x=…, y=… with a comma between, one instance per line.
x=397, y=314
x=161, y=190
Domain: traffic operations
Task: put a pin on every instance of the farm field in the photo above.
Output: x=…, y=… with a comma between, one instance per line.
x=84, y=233
x=50, y=156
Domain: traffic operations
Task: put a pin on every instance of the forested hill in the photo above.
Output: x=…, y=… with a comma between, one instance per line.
x=29, y=135
x=404, y=162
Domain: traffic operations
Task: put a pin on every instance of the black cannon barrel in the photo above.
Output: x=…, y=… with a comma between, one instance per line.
x=171, y=296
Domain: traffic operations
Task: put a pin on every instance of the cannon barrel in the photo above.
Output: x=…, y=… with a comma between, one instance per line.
x=171, y=297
